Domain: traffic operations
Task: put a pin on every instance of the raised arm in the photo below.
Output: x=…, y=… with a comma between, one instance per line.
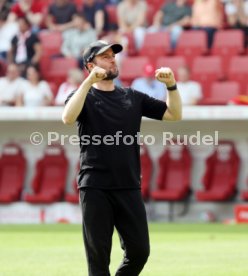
x=75, y=104
x=174, y=105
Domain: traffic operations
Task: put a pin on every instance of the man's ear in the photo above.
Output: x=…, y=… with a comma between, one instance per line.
x=90, y=65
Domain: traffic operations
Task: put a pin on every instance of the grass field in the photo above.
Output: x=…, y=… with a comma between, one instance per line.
x=176, y=249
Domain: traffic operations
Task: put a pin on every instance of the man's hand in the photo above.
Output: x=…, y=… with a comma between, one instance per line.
x=173, y=101
x=165, y=75
x=75, y=104
x=97, y=74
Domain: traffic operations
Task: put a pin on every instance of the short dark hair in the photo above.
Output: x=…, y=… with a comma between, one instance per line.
x=26, y=20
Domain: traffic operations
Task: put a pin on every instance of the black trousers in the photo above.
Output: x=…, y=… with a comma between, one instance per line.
x=102, y=210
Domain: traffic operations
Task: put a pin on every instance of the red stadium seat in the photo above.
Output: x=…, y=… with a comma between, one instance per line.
x=47, y=2
x=174, y=62
x=51, y=42
x=155, y=45
x=131, y=47
x=220, y=178
x=228, y=43
x=146, y=172
x=191, y=44
x=206, y=70
x=173, y=182
x=157, y=4
x=50, y=177
x=151, y=10
x=131, y=68
x=12, y=173
x=58, y=69
x=238, y=71
x=221, y=93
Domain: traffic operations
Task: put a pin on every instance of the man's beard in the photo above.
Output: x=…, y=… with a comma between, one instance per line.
x=112, y=75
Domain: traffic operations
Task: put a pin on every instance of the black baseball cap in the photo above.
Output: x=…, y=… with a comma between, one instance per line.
x=97, y=48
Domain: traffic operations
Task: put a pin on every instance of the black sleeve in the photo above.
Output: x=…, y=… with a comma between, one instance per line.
x=82, y=113
x=151, y=107
x=14, y=41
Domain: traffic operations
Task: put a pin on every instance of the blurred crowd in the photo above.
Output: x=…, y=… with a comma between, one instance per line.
x=80, y=22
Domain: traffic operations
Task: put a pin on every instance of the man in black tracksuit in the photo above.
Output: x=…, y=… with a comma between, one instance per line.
x=108, y=120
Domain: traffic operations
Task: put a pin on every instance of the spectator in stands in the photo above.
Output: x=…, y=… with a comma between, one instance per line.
x=31, y=9
x=25, y=46
x=74, y=79
x=60, y=15
x=7, y=31
x=149, y=85
x=190, y=91
x=77, y=38
x=207, y=15
x=5, y=6
x=11, y=86
x=172, y=17
x=37, y=92
x=96, y=14
x=131, y=15
x=237, y=16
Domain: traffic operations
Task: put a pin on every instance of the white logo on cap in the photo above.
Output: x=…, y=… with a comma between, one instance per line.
x=104, y=42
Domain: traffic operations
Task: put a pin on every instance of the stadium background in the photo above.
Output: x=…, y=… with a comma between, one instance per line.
x=224, y=63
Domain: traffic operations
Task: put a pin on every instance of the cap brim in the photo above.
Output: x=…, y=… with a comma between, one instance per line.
x=117, y=48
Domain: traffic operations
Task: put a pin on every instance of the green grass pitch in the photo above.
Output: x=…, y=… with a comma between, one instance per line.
x=176, y=249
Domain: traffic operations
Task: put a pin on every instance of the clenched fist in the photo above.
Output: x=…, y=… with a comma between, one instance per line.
x=97, y=74
x=165, y=75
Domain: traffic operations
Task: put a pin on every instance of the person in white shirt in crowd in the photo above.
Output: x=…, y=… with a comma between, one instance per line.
x=149, y=85
x=74, y=79
x=190, y=91
x=7, y=31
x=236, y=12
x=37, y=92
x=11, y=86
